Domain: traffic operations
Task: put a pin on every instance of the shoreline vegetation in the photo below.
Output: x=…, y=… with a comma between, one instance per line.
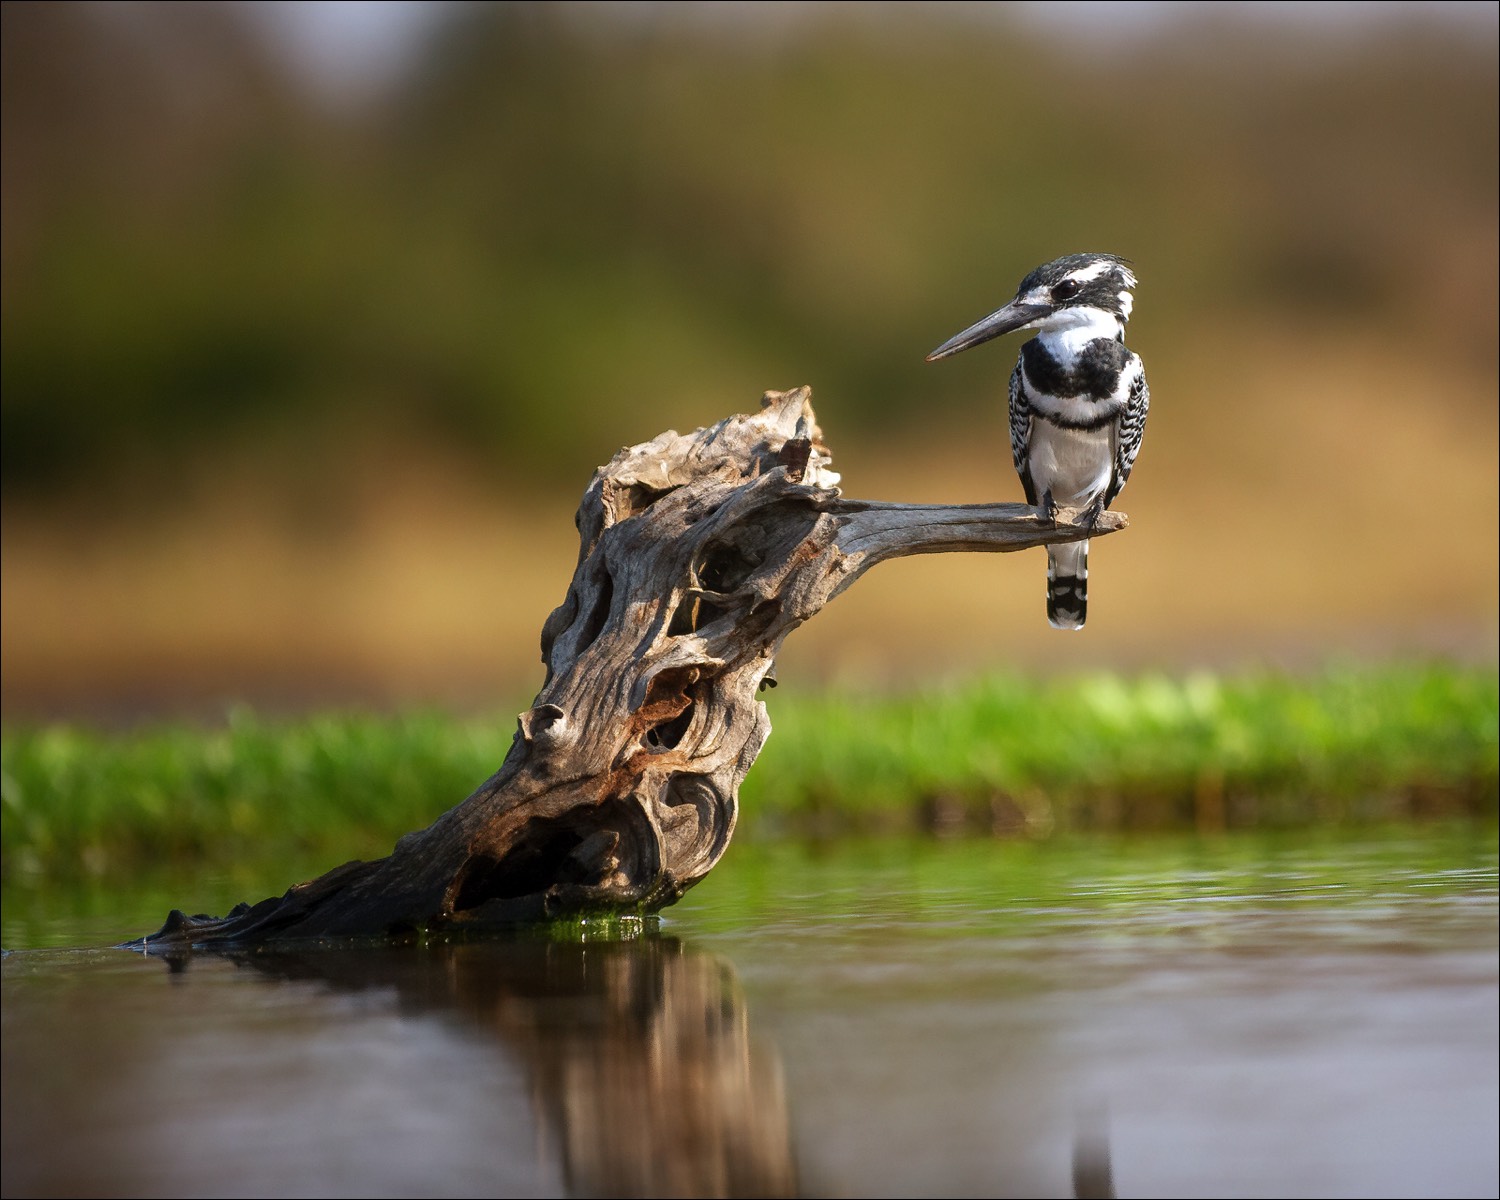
x=1002, y=755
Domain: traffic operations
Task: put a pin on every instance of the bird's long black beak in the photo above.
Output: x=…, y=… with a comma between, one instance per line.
x=1014, y=315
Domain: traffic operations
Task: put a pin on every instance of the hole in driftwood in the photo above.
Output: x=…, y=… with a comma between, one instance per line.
x=666, y=735
x=709, y=612
x=578, y=849
x=726, y=566
x=761, y=618
x=599, y=614
x=637, y=499
x=668, y=709
x=693, y=614
x=684, y=617
x=526, y=870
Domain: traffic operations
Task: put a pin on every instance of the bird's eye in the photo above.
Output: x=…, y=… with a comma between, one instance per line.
x=1066, y=290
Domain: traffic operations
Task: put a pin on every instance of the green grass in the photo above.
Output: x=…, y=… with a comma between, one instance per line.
x=1104, y=751
x=1094, y=753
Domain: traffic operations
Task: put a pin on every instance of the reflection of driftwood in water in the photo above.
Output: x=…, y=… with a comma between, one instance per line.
x=1093, y=1168
x=635, y=1122
x=698, y=554
x=642, y=1065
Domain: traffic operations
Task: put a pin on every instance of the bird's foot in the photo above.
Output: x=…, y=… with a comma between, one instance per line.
x=1090, y=515
x=1048, y=507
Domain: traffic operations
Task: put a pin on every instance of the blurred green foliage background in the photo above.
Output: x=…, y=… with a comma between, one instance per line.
x=563, y=228
x=570, y=224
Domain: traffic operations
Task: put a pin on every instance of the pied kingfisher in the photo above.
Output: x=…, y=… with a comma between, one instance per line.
x=1078, y=401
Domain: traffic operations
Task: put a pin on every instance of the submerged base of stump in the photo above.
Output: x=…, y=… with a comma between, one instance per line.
x=698, y=554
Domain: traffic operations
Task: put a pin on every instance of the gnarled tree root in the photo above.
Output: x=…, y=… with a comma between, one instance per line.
x=698, y=554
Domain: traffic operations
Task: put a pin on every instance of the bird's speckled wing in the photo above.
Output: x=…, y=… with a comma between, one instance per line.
x=1130, y=428
x=1020, y=432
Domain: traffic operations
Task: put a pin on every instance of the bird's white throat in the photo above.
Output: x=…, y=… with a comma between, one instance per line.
x=1066, y=332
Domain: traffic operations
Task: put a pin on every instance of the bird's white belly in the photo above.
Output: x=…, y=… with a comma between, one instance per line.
x=1073, y=464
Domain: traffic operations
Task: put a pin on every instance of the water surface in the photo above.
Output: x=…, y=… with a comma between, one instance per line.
x=1248, y=1016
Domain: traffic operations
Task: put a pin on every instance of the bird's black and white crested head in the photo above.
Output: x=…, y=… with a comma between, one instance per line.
x=1075, y=281
x=1078, y=296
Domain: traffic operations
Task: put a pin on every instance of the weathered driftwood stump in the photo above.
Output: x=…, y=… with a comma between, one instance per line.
x=698, y=554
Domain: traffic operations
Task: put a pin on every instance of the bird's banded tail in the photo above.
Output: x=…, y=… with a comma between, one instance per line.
x=1068, y=584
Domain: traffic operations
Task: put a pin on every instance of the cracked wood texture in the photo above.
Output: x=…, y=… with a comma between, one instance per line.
x=698, y=554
